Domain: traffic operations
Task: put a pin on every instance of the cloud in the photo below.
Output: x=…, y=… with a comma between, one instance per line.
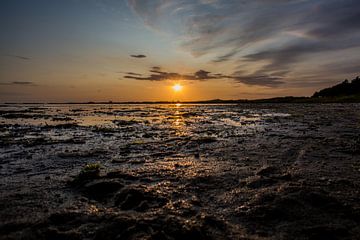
x=22, y=83
x=260, y=37
x=134, y=74
x=337, y=19
x=18, y=57
x=138, y=56
x=25, y=83
x=157, y=74
x=225, y=57
x=261, y=80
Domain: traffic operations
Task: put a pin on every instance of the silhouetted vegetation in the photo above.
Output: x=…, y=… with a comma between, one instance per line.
x=345, y=88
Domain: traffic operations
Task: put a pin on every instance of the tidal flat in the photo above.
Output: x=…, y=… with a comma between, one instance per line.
x=180, y=171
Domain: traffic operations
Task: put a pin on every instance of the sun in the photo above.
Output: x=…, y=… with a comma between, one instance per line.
x=177, y=87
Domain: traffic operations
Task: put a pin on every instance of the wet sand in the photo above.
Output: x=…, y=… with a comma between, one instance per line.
x=248, y=171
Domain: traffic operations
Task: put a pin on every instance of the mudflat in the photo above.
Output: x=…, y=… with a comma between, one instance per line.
x=242, y=171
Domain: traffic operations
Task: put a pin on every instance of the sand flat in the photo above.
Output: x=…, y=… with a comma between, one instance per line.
x=247, y=171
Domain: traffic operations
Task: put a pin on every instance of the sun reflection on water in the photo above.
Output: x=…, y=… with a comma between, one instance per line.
x=178, y=122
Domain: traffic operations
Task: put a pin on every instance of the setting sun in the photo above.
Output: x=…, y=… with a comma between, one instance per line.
x=177, y=87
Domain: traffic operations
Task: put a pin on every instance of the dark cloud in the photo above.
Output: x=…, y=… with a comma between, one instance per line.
x=134, y=74
x=157, y=70
x=284, y=58
x=261, y=80
x=352, y=68
x=225, y=57
x=23, y=83
x=204, y=75
x=157, y=74
x=18, y=57
x=26, y=83
x=138, y=56
x=336, y=19
x=266, y=36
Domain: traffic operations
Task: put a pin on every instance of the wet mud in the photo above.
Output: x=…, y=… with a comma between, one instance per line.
x=248, y=171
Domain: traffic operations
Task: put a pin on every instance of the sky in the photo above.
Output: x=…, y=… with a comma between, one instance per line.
x=136, y=50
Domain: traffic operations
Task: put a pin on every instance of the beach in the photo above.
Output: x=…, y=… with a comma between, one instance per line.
x=180, y=171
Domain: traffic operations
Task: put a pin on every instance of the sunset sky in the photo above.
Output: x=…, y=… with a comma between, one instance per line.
x=136, y=50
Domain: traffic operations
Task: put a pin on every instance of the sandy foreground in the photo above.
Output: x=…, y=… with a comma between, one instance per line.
x=248, y=171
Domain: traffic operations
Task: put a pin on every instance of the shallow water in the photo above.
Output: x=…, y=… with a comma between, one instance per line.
x=161, y=121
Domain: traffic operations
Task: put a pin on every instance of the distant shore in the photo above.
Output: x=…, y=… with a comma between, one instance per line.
x=289, y=99
x=344, y=92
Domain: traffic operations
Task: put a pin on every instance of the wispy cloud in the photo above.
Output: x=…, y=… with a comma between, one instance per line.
x=261, y=80
x=134, y=74
x=24, y=83
x=138, y=56
x=157, y=74
x=260, y=37
x=17, y=56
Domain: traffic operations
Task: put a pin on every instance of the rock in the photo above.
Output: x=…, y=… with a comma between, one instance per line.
x=53, y=233
x=137, y=199
x=129, y=198
x=331, y=232
x=260, y=182
x=143, y=206
x=288, y=208
x=101, y=189
x=89, y=174
x=160, y=235
x=63, y=217
x=267, y=171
